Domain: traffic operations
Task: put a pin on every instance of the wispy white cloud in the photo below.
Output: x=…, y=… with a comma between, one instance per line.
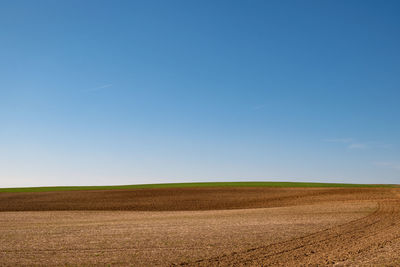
x=380, y=145
x=339, y=140
x=357, y=146
x=104, y=86
x=388, y=164
x=354, y=144
x=349, y=142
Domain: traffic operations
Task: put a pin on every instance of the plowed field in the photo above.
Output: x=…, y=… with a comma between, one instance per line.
x=221, y=226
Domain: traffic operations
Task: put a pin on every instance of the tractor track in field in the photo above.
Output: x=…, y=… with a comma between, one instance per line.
x=336, y=245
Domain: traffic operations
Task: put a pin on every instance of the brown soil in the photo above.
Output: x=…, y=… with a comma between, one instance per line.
x=202, y=227
x=170, y=199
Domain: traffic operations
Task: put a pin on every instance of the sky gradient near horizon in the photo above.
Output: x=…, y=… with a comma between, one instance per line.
x=128, y=92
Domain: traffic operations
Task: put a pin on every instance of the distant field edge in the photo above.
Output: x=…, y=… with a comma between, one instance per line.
x=194, y=184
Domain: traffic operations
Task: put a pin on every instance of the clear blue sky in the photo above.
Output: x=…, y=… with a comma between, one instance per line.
x=126, y=92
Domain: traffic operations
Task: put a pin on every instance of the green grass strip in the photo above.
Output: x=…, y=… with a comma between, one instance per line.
x=184, y=185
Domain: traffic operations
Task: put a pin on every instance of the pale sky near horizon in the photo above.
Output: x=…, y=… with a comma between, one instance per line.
x=128, y=92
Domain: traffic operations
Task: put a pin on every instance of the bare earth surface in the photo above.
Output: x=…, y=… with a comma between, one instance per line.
x=202, y=227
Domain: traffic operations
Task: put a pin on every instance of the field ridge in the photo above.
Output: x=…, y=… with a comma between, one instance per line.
x=191, y=184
